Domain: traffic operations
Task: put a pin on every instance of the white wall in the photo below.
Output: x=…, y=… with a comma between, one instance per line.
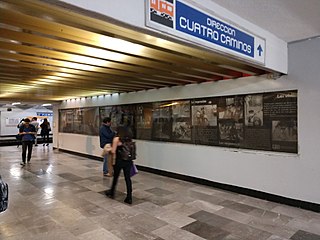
x=289, y=175
x=133, y=12
x=16, y=115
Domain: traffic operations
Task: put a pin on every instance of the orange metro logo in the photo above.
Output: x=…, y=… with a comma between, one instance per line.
x=162, y=12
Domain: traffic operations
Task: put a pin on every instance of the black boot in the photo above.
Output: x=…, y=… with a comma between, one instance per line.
x=110, y=194
x=128, y=200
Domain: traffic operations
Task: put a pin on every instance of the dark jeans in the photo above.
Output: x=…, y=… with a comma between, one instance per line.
x=45, y=137
x=26, y=145
x=126, y=166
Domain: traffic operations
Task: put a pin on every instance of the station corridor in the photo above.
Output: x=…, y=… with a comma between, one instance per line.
x=61, y=196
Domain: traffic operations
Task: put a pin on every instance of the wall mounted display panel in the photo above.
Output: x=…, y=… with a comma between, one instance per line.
x=181, y=121
x=257, y=127
x=280, y=110
x=205, y=121
x=161, y=121
x=66, y=120
x=261, y=121
x=230, y=122
x=144, y=121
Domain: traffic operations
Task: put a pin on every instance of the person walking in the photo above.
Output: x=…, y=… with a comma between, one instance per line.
x=123, y=136
x=35, y=123
x=106, y=136
x=27, y=131
x=45, y=130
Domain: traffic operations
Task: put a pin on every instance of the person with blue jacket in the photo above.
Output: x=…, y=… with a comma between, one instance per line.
x=106, y=135
x=28, y=132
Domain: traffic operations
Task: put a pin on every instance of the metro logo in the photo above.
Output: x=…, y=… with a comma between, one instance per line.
x=162, y=12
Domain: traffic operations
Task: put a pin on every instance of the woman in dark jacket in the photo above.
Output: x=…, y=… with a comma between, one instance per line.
x=27, y=131
x=123, y=135
x=45, y=130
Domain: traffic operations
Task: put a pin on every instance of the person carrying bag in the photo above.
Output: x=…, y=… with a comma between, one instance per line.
x=124, y=150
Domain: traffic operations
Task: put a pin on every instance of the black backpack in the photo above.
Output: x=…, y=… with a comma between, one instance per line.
x=4, y=195
x=128, y=150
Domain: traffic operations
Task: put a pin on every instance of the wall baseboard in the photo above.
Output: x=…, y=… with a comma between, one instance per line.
x=245, y=191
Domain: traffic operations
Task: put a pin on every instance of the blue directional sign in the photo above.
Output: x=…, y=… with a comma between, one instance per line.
x=191, y=23
x=44, y=114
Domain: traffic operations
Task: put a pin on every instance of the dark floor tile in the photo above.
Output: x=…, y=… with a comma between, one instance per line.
x=246, y=232
x=206, y=231
x=70, y=177
x=99, y=179
x=158, y=200
x=237, y=206
x=303, y=235
x=91, y=165
x=210, y=218
x=159, y=191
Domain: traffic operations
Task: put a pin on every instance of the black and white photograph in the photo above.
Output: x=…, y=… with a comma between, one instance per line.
x=66, y=120
x=105, y=112
x=205, y=121
x=144, y=121
x=253, y=110
x=78, y=120
x=204, y=113
x=90, y=123
x=231, y=108
x=286, y=131
x=181, y=121
x=161, y=117
x=230, y=133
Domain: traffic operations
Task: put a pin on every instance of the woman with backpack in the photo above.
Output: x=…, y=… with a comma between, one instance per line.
x=123, y=150
x=45, y=130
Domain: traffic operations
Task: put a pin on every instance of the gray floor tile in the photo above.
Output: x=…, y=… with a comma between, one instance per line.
x=62, y=196
x=210, y=218
x=206, y=231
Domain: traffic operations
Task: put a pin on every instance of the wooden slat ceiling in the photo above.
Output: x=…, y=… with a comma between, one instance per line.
x=48, y=52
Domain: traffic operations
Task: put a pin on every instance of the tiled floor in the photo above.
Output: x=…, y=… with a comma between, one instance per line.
x=61, y=196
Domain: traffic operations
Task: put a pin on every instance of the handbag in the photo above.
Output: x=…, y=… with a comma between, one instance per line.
x=133, y=170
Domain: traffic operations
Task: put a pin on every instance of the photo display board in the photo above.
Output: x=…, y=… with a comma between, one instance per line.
x=121, y=115
x=262, y=121
x=230, y=121
x=205, y=121
x=280, y=110
x=161, y=121
x=143, y=116
x=66, y=120
x=80, y=121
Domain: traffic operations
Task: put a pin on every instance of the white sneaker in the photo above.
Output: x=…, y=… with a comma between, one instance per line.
x=22, y=163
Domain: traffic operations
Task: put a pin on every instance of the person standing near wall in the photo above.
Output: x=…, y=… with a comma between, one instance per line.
x=45, y=130
x=35, y=123
x=27, y=131
x=106, y=136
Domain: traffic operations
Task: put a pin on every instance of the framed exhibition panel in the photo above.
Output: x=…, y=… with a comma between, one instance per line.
x=261, y=121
